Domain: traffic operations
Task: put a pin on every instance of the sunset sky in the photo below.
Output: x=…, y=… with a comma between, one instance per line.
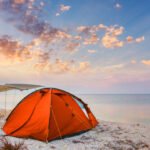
x=83, y=46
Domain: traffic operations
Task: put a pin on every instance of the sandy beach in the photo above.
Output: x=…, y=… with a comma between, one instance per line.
x=106, y=136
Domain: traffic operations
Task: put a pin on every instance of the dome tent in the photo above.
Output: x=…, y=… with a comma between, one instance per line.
x=47, y=114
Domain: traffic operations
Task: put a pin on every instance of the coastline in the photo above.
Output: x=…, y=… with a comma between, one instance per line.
x=106, y=136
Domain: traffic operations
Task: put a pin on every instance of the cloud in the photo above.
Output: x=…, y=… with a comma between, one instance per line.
x=77, y=37
x=13, y=49
x=45, y=33
x=49, y=43
x=42, y=3
x=21, y=7
x=19, y=52
x=118, y=6
x=111, y=41
x=63, y=66
x=58, y=66
x=140, y=39
x=72, y=46
x=40, y=60
x=91, y=29
x=83, y=66
x=19, y=1
x=133, y=61
x=92, y=40
x=112, y=68
x=63, y=8
x=114, y=30
x=26, y=18
x=84, y=29
x=92, y=51
x=129, y=39
x=43, y=56
x=146, y=62
x=57, y=14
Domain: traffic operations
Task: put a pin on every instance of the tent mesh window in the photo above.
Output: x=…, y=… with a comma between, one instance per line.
x=81, y=106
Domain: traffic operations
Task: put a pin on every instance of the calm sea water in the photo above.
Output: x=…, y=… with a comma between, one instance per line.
x=128, y=108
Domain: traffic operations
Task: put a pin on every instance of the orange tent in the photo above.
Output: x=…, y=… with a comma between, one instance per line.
x=47, y=114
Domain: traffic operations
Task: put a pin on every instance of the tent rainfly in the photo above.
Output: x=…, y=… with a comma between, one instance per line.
x=48, y=114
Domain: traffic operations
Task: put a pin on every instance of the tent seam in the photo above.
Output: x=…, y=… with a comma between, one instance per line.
x=49, y=114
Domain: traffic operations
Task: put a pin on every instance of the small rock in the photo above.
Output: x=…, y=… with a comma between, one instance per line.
x=77, y=141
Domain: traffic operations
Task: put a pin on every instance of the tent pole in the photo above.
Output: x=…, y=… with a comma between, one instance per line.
x=14, y=97
x=5, y=101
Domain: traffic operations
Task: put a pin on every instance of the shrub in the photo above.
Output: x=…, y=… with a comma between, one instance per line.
x=7, y=145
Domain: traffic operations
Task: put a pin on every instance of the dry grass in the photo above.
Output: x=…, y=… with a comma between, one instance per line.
x=7, y=145
x=2, y=114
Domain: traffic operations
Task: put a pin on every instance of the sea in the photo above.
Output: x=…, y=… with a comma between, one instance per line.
x=125, y=108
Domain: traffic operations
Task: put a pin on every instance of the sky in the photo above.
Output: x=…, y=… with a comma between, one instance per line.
x=88, y=46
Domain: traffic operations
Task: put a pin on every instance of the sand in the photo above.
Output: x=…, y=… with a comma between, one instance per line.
x=106, y=136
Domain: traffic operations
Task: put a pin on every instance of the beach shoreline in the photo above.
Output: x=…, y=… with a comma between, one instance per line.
x=106, y=136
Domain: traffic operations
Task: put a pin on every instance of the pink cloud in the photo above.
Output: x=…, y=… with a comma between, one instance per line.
x=19, y=1
x=133, y=61
x=64, y=7
x=63, y=66
x=129, y=39
x=92, y=40
x=71, y=46
x=146, y=62
x=110, y=41
x=140, y=39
